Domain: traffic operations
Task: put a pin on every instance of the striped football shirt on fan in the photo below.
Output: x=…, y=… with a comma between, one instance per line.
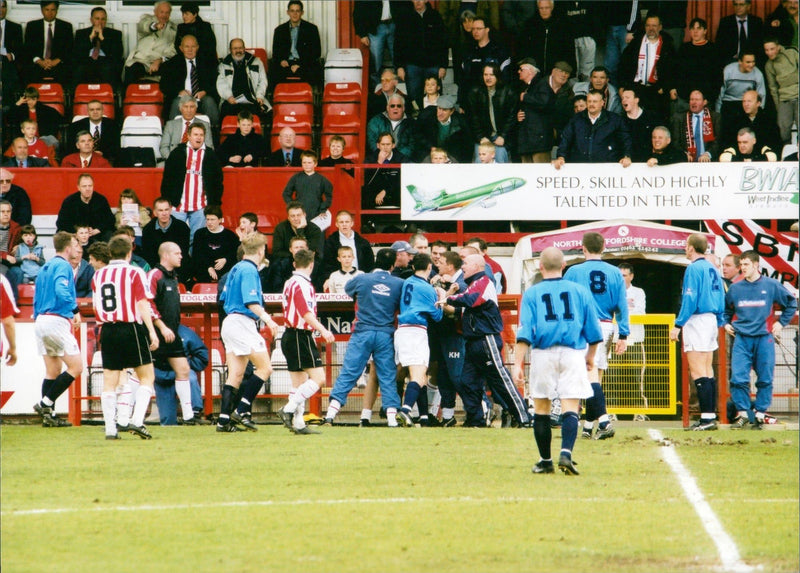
x=193, y=198
x=298, y=299
x=117, y=288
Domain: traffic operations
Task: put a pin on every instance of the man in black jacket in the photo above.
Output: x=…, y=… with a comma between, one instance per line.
x=189, y=73
x=20, y=202
x=11, y=55
x=105, y=132
x=537, y=111
x=663, y=152
x=495, y=125
x=420, y=49
x=298, y=57
x=364, y=259
x=374, y=24
x=87, y=208
x=193, y=179
x=98, y=52
x=48, y=47
x=446, y=129
x=164, y=227
x=549, y=38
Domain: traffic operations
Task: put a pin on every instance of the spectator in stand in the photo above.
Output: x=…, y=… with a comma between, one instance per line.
x=549, y=38
x=162, y=228
x=377, y=101
x=47, y=119
x=48, y=46
x=83, y=234
x=193, y=179
x=10, y=237
x=17, y=197
x=663, y=152
x=578, y=104
x=105, y=131
x=752, y=115
x=696, y=131
x=640, y=123
x=98, y=52
x=673, y=17
x=281, y=268
x=363, y=258
x=599, y=80
x=487, y=153
x=782, y=79
x=649, y=64
x=421, y=49
x=746, y=149
x=374, y=24
x=136, y=259
x=88, y=207
x=594, y=136
x=242, y=83
x=245, y=148
x=189, y=73
x=737, y=78
x=782, y=23
x=134, y=217
x=537, y=113
x=458, y=20
x=740, y=32
x=248, y=223
x=493, y=125
x=194, y=25
x=514, y=15
x=287, y=155
x=313, y=190
x=86, y=157
x=622, y=22
x=484, y=51
x=176, y=131
x=296, y=224
x=394, y=121
x=20, y=157
x=11, y=56
x=445, y=129
x=432, y=90
x=336, y=146
x=497, y=274
x=382, y=185
x=29, y=253
x=439, y=156
x=36, y=147
x=155, y=44
x=345, y=271
x=581, y=18
x=296, y=48
x=214, y=248
x=82, y=272
x=698, y=65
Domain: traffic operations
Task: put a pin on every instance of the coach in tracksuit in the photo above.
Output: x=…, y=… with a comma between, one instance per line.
x=482, y=325
x=751, y=300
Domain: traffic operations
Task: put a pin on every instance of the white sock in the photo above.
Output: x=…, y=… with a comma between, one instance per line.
x=143, y=395
x=304, y=392
x=184, y=392
x=47, y=402
x=333, y=408
x=434, y=400
x=391, y=417
x=124, y=404
x=366, y=414
x=109, y=403
x=603, y=418
x=588, y=425
x=448, y=413
x=290, y=405
x=297, y=421
x=133, y=382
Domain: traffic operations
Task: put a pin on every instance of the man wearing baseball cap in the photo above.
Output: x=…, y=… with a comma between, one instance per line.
x=405, y=252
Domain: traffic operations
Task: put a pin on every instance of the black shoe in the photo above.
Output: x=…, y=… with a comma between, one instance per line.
x=53, y=421
x=327, y=422
x=433, y=421
x=702, y=425
x=245, y=420
x=757, y=425
x=306, y=430
x=364, y=423
x=190, y=422
x=740, y=422
x=448, y=422
x=566, y=465
x=140, y=431
x=286, y=418
x=403, y=419
x=199, y=420
x=586, y=433
x=113, y=437
x=605, y=433
x=543, y=467
x=230, y=427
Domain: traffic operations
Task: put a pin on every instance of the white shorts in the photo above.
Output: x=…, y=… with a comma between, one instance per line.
x=240, y=335
x=559, y=372
x=601, y=356
x=411, y=346
x=54, y=336
x=700, y=333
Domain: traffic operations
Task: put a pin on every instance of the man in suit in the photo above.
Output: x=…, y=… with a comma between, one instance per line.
x=98, y=52
x=156, y=38
x=48, y=47
x=105, y=132
x=696, y=132
x=296, y=53
x=287, y=155
x=189, y=73
x=194, y=25
x=175, y=130
x=86, y=157
x=21, y=158
x=11, y=54
x=17, y=196
x=738, y=32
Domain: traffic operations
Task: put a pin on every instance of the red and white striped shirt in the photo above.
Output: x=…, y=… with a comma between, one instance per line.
x=193, y=198
x=8, y=306
x=299, y=298
x=117, y=288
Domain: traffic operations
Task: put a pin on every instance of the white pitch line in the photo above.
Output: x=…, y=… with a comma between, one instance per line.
x=726, y=547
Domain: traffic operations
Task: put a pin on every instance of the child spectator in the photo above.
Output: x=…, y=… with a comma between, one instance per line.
x=83, y=234
x=30, y=253
x=311, y=189
x=439, y=155
x=135, y=217
x=486, y=152
x=36, y=147
x=245, y=148
x=337, y=280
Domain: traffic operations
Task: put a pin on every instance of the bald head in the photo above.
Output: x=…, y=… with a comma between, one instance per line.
x=473, y=264
x=169, y=255
x=552, y=262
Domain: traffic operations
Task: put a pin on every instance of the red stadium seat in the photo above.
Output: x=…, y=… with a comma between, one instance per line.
x=342, y=92
x=341, y=123
x=340, y=108
x=26, y=292
x=51, y=95
x=84, y=93
x=261, y=54
x=143, y=99
x=204, y=288
x=230, y=124
x=293, y=92
x=181, y=288
x=293, y=108
x=267, y=223
x=300, y=123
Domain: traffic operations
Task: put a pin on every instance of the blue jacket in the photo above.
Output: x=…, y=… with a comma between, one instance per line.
x=377, y=297
x=481, y=311
x=418, y=304
x=196, y=353
x=606, y=141
x=752, y=303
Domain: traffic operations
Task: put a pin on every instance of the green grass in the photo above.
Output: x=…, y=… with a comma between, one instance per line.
x=386, y=500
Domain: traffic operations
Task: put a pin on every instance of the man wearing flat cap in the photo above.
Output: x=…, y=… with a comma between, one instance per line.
x=445, y=129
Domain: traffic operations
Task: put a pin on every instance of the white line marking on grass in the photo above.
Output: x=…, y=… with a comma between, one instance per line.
x=728, y=552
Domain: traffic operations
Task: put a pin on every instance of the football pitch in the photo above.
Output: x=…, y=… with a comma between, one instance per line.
x=407, y=500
